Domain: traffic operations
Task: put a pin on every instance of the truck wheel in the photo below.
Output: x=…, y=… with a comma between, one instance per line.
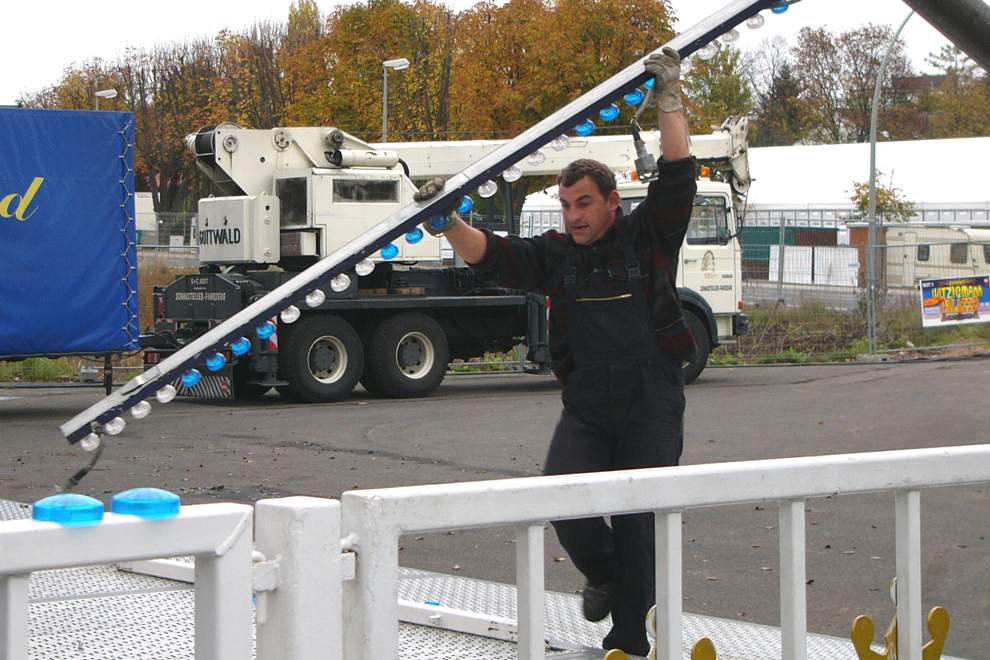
x=244, y=389
x=407, y=357
x=701, y=337
x=321, y=360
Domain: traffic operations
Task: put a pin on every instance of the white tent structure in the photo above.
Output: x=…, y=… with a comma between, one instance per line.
x=941, y=177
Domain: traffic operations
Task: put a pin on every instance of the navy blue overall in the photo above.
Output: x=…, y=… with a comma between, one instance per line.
x=623, y=408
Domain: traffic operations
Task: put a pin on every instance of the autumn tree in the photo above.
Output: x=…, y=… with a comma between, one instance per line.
x=960, y=105
x=778, y=109
x=838, y=73
x=716, y=88
x=890, y=203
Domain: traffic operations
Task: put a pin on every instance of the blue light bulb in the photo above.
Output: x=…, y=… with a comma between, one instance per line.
x=69, y=509
x=241, y=346
x=609, y=113
x=466, y=205
x=779, y=9
x=390, y=251
x=266, y=330
x=191, y=377
x=634, y=97
x=438, y=222
x=215, y=362
x=649, y=83
x=585, y=128
x=415, y=236
x=146, y=503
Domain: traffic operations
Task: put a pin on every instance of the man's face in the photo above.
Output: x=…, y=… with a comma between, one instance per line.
x=587, y=213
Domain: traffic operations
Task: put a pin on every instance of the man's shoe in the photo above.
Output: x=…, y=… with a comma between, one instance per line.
x=596, y=601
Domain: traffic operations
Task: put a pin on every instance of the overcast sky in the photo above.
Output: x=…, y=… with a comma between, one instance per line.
x=43, y=37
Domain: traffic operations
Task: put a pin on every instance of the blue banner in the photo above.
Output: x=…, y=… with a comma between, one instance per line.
x=68, y=281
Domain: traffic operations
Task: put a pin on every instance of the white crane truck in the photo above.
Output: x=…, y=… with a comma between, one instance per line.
x=295, y=195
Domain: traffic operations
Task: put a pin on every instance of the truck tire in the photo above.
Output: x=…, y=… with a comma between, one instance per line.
x=245, y=390
x=320, y=358
x=701, y=337
x=406, y=358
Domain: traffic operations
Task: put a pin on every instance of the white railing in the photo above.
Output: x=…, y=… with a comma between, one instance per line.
x=374, y=520
x=307, y=609
x=218, y=535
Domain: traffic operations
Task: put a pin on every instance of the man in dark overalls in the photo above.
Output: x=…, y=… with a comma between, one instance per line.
x=617, y=340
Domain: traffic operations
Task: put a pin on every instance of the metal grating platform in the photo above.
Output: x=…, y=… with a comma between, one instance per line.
x=102, y=613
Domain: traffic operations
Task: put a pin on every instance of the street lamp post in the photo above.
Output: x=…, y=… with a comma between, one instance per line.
x=397, y=64
x=103, y=94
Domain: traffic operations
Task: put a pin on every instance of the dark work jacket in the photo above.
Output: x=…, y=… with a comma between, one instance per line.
x=656, y=229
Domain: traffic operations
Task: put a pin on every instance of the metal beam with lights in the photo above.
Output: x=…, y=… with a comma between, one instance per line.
x=295, y=290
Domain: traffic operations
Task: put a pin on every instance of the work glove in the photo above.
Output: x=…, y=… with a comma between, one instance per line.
x=666, y=68
x=437, y=225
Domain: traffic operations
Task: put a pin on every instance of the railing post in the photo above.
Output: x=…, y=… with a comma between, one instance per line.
x=669, y=585
x=371, y=599
x=303, y=613
x=793, y=596
x=14, y=616
x=224, y=586
x=907, y=519
x=529, y=592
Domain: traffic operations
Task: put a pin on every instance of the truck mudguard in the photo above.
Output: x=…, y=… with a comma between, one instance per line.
x=68, y=282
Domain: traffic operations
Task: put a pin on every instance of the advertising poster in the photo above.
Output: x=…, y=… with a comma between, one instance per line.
x=955, y=300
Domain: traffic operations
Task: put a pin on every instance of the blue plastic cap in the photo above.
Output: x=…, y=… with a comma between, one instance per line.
x=585, y=128
x=69, y=509
x=146, y=503
x=265, y=330
x=415, y=236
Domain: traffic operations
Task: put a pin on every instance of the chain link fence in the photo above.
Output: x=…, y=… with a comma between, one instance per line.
x=805, y=288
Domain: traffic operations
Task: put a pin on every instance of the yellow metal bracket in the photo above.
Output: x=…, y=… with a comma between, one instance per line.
x=862, y=637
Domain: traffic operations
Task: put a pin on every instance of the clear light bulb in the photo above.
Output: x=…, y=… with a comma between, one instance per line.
x=216, y=362
x=466, y=205
x=706, y=52
x=290, y=314
x=536, y=158
x=338, y=284
x=140, y=410
x=755, y=21
x=634, y=97
x=90, y=442
x=364, y=267
x=265, y=330
x=115, y=426
x=191, y=378
x=166, y=394
x=487, y=189
x=585, y=128
x=241, y=346
x=414, y=236
x=610, y=113
x=730, y=37
x=686, y=65
x=390, y=251
x=513, y=173
x=560, y=143
x=316, y=297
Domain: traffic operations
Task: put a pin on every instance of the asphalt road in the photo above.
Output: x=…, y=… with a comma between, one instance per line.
x=497, y=426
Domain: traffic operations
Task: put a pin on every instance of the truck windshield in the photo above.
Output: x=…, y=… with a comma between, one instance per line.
x=709, y=219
